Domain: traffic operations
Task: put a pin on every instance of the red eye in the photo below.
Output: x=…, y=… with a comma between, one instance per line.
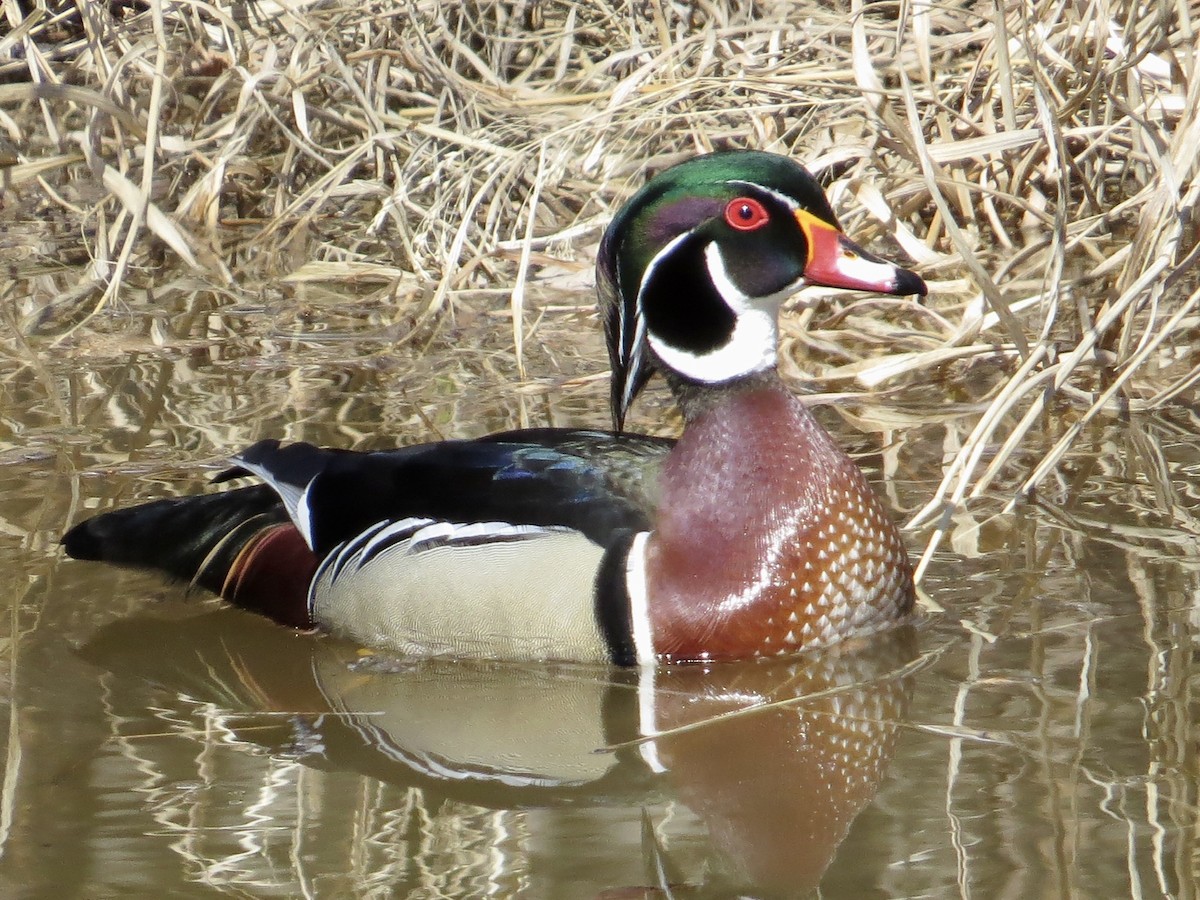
x=746, y=214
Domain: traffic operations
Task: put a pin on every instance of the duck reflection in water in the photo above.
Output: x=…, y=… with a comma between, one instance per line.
x=775, y=758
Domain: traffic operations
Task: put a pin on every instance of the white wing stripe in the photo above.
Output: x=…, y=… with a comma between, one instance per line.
x=302, y=514
x=474, y=533
x=414, y=535
x=291, y=495
x=388, y=532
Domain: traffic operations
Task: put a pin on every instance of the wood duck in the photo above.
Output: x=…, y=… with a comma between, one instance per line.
x=751, y=535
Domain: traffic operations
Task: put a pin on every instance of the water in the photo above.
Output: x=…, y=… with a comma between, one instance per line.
x=1033, y=740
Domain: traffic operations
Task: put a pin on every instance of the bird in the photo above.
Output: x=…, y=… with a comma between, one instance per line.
x=752, y=534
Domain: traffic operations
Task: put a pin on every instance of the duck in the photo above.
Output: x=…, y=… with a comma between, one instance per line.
x=753, y=534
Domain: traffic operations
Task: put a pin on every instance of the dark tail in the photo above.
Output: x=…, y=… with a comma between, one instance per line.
x=239, y=544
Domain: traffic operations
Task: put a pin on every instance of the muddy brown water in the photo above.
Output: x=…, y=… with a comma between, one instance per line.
x=1034, y=740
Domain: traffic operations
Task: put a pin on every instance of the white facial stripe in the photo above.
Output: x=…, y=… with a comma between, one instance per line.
x=634, y=362
x=640, y=323
x=753, y=345
x=782, y=198
x=631, y=353
x=622, y=325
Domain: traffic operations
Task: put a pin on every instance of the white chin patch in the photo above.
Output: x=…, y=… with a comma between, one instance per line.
x=754, y=343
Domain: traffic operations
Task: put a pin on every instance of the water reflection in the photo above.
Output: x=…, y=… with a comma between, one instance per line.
x=748, y=775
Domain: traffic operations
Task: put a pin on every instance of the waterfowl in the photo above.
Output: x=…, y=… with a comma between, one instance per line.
x=753, y=534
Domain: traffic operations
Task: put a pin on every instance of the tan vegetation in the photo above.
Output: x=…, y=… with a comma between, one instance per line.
x=1036, y=161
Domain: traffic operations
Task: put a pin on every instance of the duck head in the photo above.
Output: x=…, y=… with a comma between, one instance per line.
x=692, y=271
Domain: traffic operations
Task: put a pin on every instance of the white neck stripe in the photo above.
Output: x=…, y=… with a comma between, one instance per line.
x=753, y=345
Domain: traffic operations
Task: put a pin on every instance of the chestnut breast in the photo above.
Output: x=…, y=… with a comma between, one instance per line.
x=769, y=538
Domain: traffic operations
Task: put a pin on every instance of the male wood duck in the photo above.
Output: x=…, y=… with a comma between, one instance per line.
x=752, y=535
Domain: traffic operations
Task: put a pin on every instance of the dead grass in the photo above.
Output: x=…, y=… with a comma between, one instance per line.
x=1036, y=160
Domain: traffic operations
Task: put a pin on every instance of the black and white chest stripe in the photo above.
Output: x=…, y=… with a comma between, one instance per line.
x=622, y=614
